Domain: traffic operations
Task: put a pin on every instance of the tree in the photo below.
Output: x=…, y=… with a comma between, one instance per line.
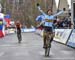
x=25, y=10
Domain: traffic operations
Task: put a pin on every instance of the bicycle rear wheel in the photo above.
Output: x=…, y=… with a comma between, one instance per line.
x=19, y=38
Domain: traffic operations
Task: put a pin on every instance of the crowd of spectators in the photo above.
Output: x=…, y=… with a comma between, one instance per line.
x=65, y=23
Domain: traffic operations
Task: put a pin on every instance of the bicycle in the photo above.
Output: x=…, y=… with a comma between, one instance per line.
x=48, y=36
x=49, y=39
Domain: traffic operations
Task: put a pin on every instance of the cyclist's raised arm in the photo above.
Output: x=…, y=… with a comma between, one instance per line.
x=60, y=12
x=39, y=8
x=57, y=14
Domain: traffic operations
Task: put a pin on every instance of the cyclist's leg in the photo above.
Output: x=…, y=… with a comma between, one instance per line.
x=20, y=35
x=49, y=36
x=52, y=36
x=44, y=36
x=44, y=39
x=17, y=34
x=49, y=39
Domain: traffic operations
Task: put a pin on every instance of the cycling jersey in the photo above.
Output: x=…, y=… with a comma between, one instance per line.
x=49, y=17
x=18, y=25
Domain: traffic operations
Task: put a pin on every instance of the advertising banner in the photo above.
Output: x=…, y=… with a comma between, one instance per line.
x=62, y=35
x=29, y=30
x=71, y=41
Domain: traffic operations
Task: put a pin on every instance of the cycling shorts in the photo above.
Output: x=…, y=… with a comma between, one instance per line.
x=48, y=29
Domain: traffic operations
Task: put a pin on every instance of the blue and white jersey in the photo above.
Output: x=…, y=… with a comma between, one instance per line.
x=51, y=17
x=50, y=24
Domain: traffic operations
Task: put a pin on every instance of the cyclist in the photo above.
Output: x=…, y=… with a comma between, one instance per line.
x=48, y=19
x=18, y=27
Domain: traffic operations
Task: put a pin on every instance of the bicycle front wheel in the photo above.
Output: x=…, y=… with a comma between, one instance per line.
x=47, y=51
